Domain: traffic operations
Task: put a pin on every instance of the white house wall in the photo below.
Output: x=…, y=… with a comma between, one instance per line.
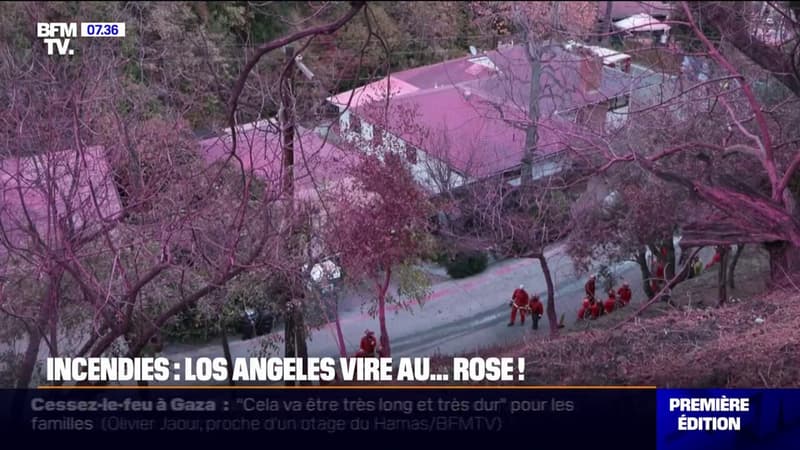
x=542, y=169
x=547, y=168
x=421, y=170
x=344, y=124
x=616, y=118
x=366, y=131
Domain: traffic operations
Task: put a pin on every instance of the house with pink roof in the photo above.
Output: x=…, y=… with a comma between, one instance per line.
x=466, y=118
x=319, y=164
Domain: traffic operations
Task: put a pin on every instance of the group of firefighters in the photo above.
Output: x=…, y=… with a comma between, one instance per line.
x=593, y=307
x=522, y=302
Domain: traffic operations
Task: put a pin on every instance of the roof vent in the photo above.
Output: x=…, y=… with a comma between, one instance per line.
x=484, y=61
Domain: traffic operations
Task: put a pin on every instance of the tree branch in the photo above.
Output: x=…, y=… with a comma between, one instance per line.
x=765, y=140
x=790, y=171
x=747, y=212
x=731, y=25
x=262, y=50
x=680, y=275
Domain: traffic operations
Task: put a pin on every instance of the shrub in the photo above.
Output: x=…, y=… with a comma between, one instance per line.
x=465, y=264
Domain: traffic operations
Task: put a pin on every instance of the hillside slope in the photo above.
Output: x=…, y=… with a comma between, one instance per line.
x=721, y=347
x=752, y=341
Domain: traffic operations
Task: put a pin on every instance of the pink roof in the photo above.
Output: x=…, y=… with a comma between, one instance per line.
x=317, y=161
x=446, y=73
x=478, y=139
x=373, y=92
x=46, y=189
x=484, y=134
x=562, y=80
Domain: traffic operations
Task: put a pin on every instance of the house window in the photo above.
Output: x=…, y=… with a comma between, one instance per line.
x=618, y=102
x=377, y=137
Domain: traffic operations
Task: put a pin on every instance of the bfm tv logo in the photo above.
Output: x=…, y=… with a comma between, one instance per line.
x=48, y=31
x=58, y=35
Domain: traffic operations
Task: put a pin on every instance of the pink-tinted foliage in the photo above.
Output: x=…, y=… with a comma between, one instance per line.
x=377, y=222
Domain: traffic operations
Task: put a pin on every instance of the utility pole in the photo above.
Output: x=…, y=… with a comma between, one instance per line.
x=295, y=338
x=533, y=52
x=608, y=28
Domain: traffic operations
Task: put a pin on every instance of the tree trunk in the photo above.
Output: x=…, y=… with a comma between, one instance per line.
x=294, y=335
x=25, y=371
x=784, y=259
x=226, y=350
x=290, y=349
x=732, y=267
x=384, y=340
x=641, y=259
x=339, y=333
x=294, y=327
x=386, y=350
x=722, y=281
x=54, y=326
x=670, y=285
x=606, y=38
x=552, y=319
x=300, y=334
x=333, y=301
x=130, y=341
x=669, y=264
x=684, y=255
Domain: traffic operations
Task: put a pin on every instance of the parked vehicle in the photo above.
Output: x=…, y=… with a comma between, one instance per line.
x=254, y=322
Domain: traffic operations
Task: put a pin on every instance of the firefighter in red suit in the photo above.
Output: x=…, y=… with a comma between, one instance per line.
x=537, y=311
x=624, y=294
x=585, y=310
x=611, y=301
x=717, y=258
x=368, y=345
x=596, y=309
x=589, y=287
x=659, y=278
x=519, y=301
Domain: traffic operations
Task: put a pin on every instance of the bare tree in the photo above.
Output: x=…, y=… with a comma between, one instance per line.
x=128, y=234
x=729, y=145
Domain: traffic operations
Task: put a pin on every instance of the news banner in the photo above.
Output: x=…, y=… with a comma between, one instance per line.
x=473, y=398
